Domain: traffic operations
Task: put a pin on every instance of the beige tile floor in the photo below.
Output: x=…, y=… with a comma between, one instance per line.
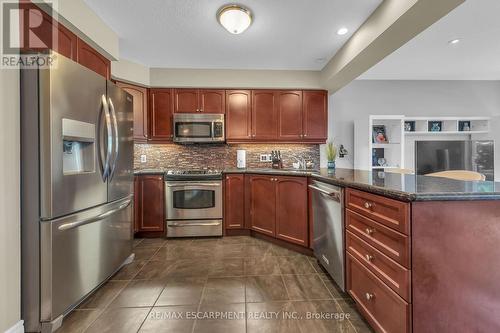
x=232, y=284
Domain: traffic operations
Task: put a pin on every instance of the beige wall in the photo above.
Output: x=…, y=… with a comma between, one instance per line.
x=214, y=78
x=10, y=256
x=125, y=70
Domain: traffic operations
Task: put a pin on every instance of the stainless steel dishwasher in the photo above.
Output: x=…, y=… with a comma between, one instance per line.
x=328, y=228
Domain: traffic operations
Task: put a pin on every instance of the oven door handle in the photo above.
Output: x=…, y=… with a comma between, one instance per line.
x=207, y=224
x=194, y=184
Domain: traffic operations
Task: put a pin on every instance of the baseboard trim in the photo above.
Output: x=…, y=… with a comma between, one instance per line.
x=17, y=328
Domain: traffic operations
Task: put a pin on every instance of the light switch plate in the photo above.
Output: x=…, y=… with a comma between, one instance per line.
x=143, y=159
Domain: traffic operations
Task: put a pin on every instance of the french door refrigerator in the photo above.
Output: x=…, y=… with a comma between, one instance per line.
x=77, y=188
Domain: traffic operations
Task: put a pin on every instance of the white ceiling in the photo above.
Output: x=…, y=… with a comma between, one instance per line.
x=429, y=56
x=285, y=34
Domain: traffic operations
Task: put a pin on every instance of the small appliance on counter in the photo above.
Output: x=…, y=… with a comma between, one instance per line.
x=241, y=159
x=276, y=159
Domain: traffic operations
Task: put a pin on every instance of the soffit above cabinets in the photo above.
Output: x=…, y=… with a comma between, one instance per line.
x=285, y=34
x=430, y=56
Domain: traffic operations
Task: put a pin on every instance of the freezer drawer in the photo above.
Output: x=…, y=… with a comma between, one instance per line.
x=81, y=251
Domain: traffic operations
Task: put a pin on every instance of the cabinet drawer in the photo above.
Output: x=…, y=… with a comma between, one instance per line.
x=391, y=243
x=391, y=213
x=394, y=275
x=382, y=307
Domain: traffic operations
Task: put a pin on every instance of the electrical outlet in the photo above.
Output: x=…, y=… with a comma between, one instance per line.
x=143, y=159
x=265, y=158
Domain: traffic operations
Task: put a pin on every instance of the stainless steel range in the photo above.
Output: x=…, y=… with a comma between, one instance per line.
x=193, y=203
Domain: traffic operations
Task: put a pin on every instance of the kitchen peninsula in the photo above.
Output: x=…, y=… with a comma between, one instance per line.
x=420, y=251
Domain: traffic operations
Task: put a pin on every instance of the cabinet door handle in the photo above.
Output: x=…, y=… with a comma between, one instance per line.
x=368, y=205
x=369, y=231
x=369, y=257
x=369, y=296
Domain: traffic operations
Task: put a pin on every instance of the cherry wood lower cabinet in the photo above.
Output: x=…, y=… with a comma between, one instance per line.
x=291, y=210
x=263, y=204
x=140, y=95
x=378, y=259
x=279, y=208
x=234, y=202
x=149, y=205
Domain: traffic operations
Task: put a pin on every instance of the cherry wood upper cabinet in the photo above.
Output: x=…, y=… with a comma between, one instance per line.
x=265, y=115
x=161, y=105
x=140, y=95
x=238, y=115
x=200, y=100
x=149, y=206
x=42, y=33
x=93, y=60
x=186, y=100
x=290, y=115
x=212, y=101
x=234, y=203
x=315, y=106
x=291, y=210
x=263, y=204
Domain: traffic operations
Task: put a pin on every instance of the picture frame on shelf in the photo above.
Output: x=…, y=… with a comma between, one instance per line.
x=410, y=126
x=464, y=126
x=379, y=134
x=435, y=126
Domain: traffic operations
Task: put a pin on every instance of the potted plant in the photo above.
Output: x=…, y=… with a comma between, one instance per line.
x=331, y=155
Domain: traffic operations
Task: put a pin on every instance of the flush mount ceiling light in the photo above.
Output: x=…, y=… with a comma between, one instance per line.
x=342, y=31
x=234, y=18
x=454, y=41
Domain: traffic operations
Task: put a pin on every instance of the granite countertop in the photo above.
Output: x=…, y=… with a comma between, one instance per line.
x=393, y=185
x=411, y=187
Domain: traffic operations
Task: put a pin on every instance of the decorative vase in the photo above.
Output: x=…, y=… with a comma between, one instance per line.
x=331, y=165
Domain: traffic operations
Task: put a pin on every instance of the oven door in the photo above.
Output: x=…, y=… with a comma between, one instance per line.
x=193, y=131
x=191, y=200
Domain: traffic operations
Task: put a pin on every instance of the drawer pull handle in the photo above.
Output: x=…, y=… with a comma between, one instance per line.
x=369, y=231
x=368, y=205
x=369, y=257
x=369, y=296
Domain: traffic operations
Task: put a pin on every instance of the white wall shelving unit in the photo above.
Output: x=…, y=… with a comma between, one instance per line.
x=400, y=150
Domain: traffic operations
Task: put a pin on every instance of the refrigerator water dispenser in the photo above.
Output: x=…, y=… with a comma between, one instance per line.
x=78, y=147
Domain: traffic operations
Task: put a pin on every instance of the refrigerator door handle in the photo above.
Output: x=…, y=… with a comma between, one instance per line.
x=105, y=166
x=72, y=225
x=116, y=139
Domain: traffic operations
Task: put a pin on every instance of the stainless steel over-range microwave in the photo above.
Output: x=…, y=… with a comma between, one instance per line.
x=198, y=128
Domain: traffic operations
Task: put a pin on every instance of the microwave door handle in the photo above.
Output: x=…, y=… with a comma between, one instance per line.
x=212, y=130
x=116, y=139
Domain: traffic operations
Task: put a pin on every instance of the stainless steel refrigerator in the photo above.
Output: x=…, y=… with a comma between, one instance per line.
x=77, y=188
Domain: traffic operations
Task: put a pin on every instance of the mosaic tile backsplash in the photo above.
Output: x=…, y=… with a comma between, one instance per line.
x=219, y=156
